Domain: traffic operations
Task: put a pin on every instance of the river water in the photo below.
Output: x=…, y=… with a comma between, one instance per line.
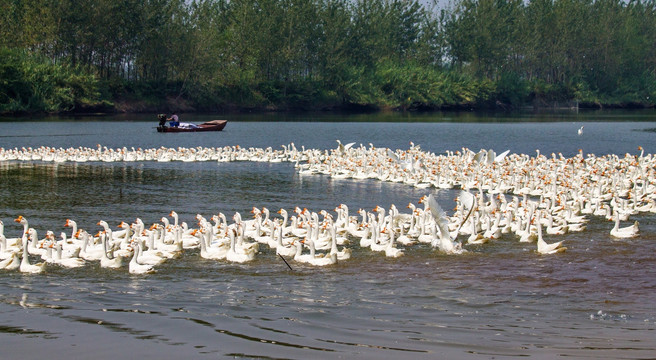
x=596, y=300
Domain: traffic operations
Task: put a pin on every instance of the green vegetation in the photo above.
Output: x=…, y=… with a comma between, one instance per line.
x=206, y=55
x=29, y=82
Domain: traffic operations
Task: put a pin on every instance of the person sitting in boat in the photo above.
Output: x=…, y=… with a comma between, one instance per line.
x=162, y=120
x=173, y=120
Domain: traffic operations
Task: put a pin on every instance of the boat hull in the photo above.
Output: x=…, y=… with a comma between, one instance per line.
x=214, y=125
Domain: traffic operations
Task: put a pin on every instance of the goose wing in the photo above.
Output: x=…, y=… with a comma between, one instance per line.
x=500, y=157
x=392, y=155
x=439, y=216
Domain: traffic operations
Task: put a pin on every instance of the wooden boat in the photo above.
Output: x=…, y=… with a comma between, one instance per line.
x=214, y=125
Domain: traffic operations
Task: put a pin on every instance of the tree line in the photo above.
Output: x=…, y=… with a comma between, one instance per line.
x=208, y=55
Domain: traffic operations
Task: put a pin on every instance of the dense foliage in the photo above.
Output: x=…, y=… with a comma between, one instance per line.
x=60, y=55
x=36, y=84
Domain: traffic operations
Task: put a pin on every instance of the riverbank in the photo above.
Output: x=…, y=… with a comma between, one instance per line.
x=170, y=103
x=185, y=106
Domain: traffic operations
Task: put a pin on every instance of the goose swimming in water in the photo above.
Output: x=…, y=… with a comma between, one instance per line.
x=281, y=249
x=239, y=257
x=57, y=258
x=107, y=257
x=543, y=247
x=25, y=265
x=624, y=232
x=11, y=262
x=568, y=188
x=73, y=225
x=313, y=258
x=134, y=267
x=390, y=249
x=217, y=252
x=445, y=242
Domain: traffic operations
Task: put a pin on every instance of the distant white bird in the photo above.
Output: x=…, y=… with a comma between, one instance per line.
x=581, y=131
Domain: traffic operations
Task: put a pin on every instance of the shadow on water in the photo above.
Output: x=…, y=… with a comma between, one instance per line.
x=14, y=330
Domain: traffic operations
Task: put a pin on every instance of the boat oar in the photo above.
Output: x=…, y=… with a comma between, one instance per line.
x=286, y=263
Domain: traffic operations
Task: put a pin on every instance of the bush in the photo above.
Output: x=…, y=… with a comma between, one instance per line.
x=34, y=84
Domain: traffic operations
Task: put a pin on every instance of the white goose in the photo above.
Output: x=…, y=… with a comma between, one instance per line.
x=111, y=235
x=5, y=251
x=475, y=238
x=285, y=218
x=113, y=262
x=175, y=217
x=259, y=235
x=555, y=230
x=377, y=244
x=403, y=238
x=220, y=222
x=189, y=241
x=135, y=267
x=18, y=241
x=365, y=235
x=167, y=224
x=35, y=245
x=242, y=246
x=150, y=256
x=299, y=256
x=73, y=225
x=170, y=250
x=238, y=257
x=624, y=232
x=68, y=262
x=530, y=233
x=69, y=249
x=88, y=251
x=493, y=231
x=444, y=242
x=25, y=265
x=313, y=258
x=12, y=262
x=218, y=252
x=281, y=249
x=390, y=249
x=343, y=254
x=543, y=247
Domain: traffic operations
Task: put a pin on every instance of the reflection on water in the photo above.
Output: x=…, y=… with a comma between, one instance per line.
x=500, y=299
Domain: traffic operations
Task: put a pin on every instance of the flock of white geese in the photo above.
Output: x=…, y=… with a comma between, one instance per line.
x=501, y=195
